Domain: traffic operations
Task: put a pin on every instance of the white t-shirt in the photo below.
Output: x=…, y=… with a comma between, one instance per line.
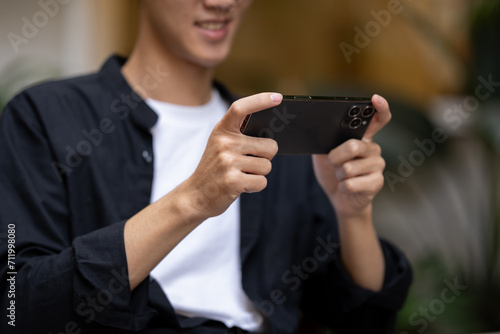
x=202, y=275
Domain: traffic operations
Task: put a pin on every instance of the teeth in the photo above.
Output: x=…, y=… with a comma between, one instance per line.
x=212, y=25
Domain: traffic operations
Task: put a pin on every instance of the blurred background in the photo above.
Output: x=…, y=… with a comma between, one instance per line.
x=436, y=61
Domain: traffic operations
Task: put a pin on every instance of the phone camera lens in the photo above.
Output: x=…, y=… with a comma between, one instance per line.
x=354, y=111
x=355, y=123
x=368, y=112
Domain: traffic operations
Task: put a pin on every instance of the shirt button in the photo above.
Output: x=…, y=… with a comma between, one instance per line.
x=147, y=156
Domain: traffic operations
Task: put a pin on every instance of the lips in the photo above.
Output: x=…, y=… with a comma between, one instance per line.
x=213, y=30
x=212, y=25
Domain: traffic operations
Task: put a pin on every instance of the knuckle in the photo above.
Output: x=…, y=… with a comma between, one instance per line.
x=223, y=143
x=378, y=163
x=266, y=147
x=257, y=184
x=341, y=173
x=237, y=107
x=382, y=163
x=261, y=183
x=226, y=160
x=273, y=147
x=349, y=185
x=353, y=147
x=376, y=148
x=267, y=167
x=347, y=169
x=232, y=180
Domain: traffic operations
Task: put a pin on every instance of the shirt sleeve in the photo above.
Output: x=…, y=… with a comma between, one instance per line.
x=63, y=282
x=332, y=298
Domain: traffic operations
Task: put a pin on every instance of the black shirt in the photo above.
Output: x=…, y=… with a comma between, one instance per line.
x=76, y=161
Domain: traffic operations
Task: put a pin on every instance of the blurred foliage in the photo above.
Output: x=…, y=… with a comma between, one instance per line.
x=485, y=14
x=474, y=310
x=420, y=313
x=478, y=308
x=485, y=42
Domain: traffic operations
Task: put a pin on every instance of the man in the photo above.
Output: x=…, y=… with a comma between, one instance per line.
x=138, y=206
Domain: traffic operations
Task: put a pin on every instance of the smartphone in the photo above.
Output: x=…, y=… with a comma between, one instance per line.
x=311, y=124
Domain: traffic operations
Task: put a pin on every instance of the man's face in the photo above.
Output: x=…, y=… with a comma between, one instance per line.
x=199, y=31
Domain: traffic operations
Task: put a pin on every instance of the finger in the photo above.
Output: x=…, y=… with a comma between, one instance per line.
x=353, y=149
x=234, y=117
x=360, y=167
x=240, y=144
x=259, y=147
x=253, y=183
x=321, y=160
x=254, y=165
x=380, y=119
x=367, y=184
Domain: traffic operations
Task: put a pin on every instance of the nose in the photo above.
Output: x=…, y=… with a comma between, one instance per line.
x=221, y=6
x=220, y=3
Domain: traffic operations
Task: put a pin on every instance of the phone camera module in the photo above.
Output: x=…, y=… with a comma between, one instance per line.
x=355, y=123
x=368, y=112
x=354, y=111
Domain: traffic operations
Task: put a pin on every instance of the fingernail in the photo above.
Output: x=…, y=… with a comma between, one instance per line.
x=379, y=98
x=276, y=97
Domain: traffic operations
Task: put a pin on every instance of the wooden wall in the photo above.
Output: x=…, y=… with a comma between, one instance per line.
x=294, y=46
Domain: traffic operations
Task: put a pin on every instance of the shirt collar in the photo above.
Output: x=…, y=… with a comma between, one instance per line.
x=113, y=78
x=140, y=112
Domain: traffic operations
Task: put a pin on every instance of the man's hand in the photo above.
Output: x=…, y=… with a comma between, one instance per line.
x=351, y=174
x=232, y=162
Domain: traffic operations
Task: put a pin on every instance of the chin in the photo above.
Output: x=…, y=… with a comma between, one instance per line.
x=211, y=59
x=211, y=63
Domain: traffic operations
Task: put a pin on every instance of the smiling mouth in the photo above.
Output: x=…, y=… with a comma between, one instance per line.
x=212, y=25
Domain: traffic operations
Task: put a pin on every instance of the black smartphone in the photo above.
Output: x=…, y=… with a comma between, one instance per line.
x=311, y=124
